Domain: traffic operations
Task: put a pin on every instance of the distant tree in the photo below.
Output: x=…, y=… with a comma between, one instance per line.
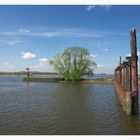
x=74, y=63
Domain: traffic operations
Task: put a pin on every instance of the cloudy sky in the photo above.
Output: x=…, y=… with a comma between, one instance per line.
x=32, y=35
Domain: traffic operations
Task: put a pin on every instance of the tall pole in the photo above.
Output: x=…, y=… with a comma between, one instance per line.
x=120, y=61
x=134, y=71
x=120, y=70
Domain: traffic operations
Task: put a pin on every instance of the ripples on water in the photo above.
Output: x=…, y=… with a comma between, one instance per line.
x=58, y=108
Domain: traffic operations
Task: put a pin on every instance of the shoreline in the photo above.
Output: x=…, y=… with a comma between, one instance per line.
x=61, y=80
x=24, y=73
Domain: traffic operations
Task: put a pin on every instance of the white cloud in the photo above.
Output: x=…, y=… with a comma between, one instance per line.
x=38, y=67
x=106, y=49
x=44, y=34
x=105, y=7
x=128, y=55
x=89, y=8
x=63, y=32
x=43, y=65
x=82, y=33
x=138, y=54
x=43, y=61
x=93, y=55
x=104, y=69
x=24, y=30
x=37, y=33
x=58, y=33
x=99, y=66
x=7, y=63
x=10, y=42
x=28, y=55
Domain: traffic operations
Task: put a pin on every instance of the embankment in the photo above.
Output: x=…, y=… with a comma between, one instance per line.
x=61, y=80
x=30, y=79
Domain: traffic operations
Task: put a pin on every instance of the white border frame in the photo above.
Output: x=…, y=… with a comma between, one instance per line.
x=70, y=2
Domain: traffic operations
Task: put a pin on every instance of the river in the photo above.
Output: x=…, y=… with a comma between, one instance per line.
x=62, y=108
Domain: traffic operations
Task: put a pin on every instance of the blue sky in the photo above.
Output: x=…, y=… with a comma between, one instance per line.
x=32, y=35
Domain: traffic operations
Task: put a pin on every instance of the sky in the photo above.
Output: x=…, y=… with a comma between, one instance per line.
x=31, y=35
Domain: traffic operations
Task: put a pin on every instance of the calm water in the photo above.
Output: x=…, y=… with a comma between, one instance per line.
x=58, y=108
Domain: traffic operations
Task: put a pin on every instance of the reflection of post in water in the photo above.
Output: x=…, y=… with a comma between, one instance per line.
x=27, y=72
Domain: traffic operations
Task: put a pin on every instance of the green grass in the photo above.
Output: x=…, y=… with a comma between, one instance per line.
x=103, y=79
x=43, y=79
x=139, y=81
x=100, y=81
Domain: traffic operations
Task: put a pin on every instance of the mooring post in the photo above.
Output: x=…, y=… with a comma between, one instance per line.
x=123, y=76
x=128, y=80
x=134, y=71
x=120, y=70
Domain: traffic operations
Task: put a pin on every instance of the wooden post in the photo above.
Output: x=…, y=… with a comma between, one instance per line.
x=123, y=76
x=120, y=71
x=134, y=72
x=128, y=79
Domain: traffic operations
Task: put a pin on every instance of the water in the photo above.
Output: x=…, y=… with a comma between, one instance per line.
x=60, y=108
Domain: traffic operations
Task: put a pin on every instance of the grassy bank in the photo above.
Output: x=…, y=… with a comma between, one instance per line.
x=99, y=81
x=139, y=81
x=43, y=79
x=94, y=81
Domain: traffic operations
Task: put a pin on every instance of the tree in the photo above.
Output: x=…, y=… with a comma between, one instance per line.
x=74, y=63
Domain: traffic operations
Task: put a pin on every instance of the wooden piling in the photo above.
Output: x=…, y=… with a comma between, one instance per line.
x=120, y=69
x=126, y=79
x=134, y=70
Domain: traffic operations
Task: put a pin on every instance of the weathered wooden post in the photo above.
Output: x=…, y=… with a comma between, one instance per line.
x=120, y=70
x=129, y=86
x=123, y=76
x=128, y=94
x=134, y=71
x=126, y=79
